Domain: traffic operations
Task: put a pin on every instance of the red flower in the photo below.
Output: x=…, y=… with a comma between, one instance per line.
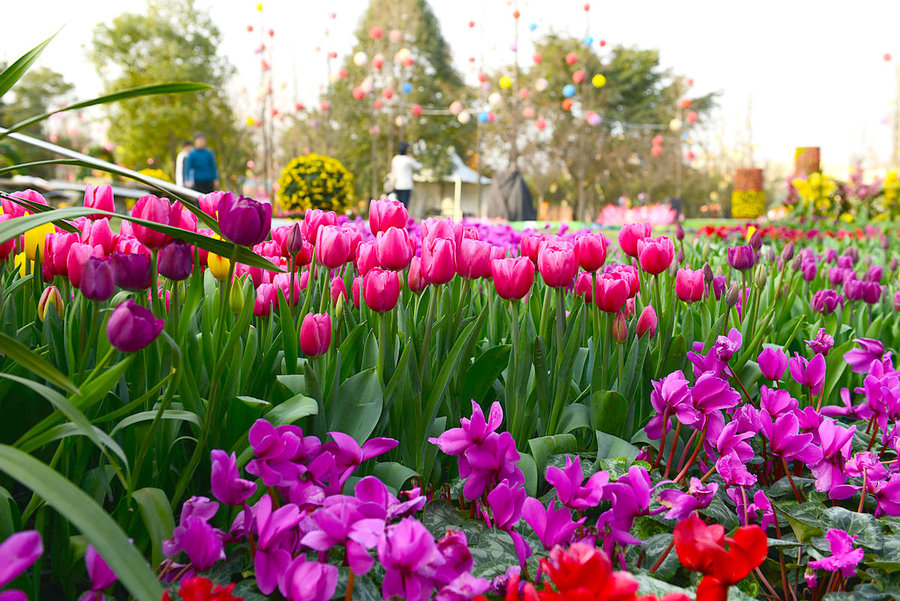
x=201, y=589
x=701, y=548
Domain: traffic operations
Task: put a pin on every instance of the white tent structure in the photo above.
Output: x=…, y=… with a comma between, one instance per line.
x=461, y=193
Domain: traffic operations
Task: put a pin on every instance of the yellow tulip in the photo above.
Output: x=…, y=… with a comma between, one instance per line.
x=20, y=262
x=50, y=296
x=218, y=266
x=750, y=230
x=34, y=240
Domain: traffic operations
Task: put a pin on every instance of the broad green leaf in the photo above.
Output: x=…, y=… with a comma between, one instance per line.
x=545, y=446
x=805, y=518
x=357, y=406
x=157, y=516
x=574, y=417
x=21, y=354
x=484, y=372
x=394, y=474
x=609, y=447
x=77, y=507
x=529, y=468
x=609, y=410
x=290, y=411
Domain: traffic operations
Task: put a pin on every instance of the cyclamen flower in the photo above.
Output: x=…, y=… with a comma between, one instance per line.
x=99, y=573
x=682, y=504
x=199, y=588
x=671, y=396
x=17, y=553
x=711, y=393
x=762, y=504
x=341, y=522
x=552, y=526
x=835, y=442
x=809, y=374
x=786, y=440
x=568, y=486
x=630, y=496
x=274, y=529
x=584, y=572
x=407, y=551
x=308, y=580
x=733, y=471
x=377, y=501
x=777, y=402
x=348, y=454
x=860, y=359
x=772, y=362
x=843, y=558
x=227, y=485
x=279, y=452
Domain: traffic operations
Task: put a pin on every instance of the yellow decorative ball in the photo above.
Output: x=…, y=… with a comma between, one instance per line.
x=259, y=7
x=598, y=80
x=506, y=82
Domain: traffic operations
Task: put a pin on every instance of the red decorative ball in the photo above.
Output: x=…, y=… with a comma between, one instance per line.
x=567, y=104
x=571, y=58
x=416, y=110
x=656, y=151
x=538, y=58
x=578, y=76
x=657, y=140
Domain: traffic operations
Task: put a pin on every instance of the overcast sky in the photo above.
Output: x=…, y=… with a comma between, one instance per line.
x=812, y=70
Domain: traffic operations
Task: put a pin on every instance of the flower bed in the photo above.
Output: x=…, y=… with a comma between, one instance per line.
x=391, y=409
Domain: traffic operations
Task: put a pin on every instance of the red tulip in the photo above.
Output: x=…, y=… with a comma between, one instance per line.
x=647, y=322
x=386, y=213
x=474, y=259
x=315, y=334
x=512, y=277
x=392, y=248
x=629, y=236
x=439, y=260
x=655, y=254
x=690, y=285
x=591, y=250
x=557, y=263
x=380, y=289
x=332, y=246
x=611, y=292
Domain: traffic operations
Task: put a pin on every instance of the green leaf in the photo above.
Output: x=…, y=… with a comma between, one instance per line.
x=15, y=71
x=805, y=518
x=545, y=446
x=78, y=508
x=357, y=405
x=610, y=447
x=484, y=372
x=21, y=354
x=394, y=474
x=609, y=410
x=862, y=525
x=290, y=411
x=149, y=416
x=529, y=468
x=574, y=417
x=156, y=513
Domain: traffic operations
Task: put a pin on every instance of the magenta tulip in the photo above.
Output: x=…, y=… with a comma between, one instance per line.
x=100, y=198
x=584, y=286
x=387, y=213
x=78, y=255
x=414, y=279
x=512, y=277
x=381, y=289
x=56, y=252
x=244, y=221
x=366, y=257
x=132, y=327
x=313, y=221
x=392, y=248
x=439, y=260
x=611, y=292
x=656, y=254
x=690, y=285
x=315, y=334
x=473, y=260
x=266, y=298
x=158, y=210
x=630, y=235
x=646, y=323
x=332, y=247
x=591, y=250
x=557, y=263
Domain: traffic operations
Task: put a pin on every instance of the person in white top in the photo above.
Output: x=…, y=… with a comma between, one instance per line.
x=402, y=167
x=186, y=148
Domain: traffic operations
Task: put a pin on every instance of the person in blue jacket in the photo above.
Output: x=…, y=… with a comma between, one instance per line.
x=201, y=173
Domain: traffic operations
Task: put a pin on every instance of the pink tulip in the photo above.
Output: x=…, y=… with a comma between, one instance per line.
x=646, y=323
x=414, y=279
x=159, y=210
x=315, y=334
x=283, y=282
x=332, y=246
x=6, y=248
x=14, y=209
x=690, y=285
x=100, y=198
x=354, y=290
x=584, y=287
x=354, y=236
x=463, y=232
x=590, y=249
x=266, y=297
x=655, y=254
x=438, y=260
x=630, y=235
x=387, y=213
x=473, y=260
x=512, y=277
x=338, y=289
x=366, y=257
x=78, y=255
x=56, y=252
x=392, y=249
x=611, y=292
x=433, y=229
x=314, y=220
x=99, y=233
x=381, y=289
x=209, y=203
x=557, y=263
x=530, y=245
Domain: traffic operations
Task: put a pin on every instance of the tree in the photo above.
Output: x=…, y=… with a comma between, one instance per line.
x=37, y=92
x=364, y=137
x=173, y=41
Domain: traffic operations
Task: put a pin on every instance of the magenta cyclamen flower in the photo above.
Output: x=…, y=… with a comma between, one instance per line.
x=407, y=551
x=276, y=531
x=226, y=481
x=786, y=440
x=17, y=553
x=630, y=496
x=552, y=526
x=506, y=502
x=280, y=452
x=568, y=486
x=777, y=402
x=762, y=504
x=733, y=471
x=201, y=542
x=809, y=374
x=377, y=500
x=348, y=454
x=835, y=442
x=843, y=556
x=860, y=359
x=772, y=363
x=671, y=396
x=99, y=573
x=682, y=504
x=341, y=522
x=711, y=393
x=308, y=580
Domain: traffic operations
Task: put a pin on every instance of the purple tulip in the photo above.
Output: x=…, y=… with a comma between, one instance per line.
x=97, y=282
x=822, y=343
x=772, y=363
x=844, y=558
x=826, y=301
x=860, y=359
x=552, y=526
x=17, y=553
x=176, y=260
x=569, y=490
x=741, y=258
x=244, y=221
x=132, y=327
x=226, y=481
x=131, y=271
x=809, y=374
x=719, y=284
x=308, y=580
x=407, y=551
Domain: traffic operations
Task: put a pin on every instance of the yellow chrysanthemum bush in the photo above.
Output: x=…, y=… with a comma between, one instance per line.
x=816, y=194
x=315, y=181
x=748, y=204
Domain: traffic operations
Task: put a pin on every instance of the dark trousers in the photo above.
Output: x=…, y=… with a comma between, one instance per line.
x=403, y=196
x=203, y=187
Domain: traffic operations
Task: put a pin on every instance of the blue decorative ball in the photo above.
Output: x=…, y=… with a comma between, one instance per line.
x=532, y=26
x=483, y=117
x=589, y=40
x=568, y=90
x=407, y=88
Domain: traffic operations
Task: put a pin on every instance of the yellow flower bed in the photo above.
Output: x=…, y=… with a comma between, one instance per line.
x=315, y=181
x=748, y=204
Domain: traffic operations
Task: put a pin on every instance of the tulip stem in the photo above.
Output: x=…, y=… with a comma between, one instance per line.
x=429, y=326
x=382, y=334
x=512, y=399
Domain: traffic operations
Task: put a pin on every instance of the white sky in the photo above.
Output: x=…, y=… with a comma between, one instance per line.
x=813, y=68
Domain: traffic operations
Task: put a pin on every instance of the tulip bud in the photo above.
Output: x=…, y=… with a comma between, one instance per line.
x=787, y=253
x=339, y=307
x=679, y=256
x=294, y=243
x=731, y=296
x=50, y=296
x=885, y=242
x=647, y=321
x=236, y=302
x=707, y=274
x=756, y=240
x=97, y=281
x=894, y=264
x=679, y=232
x=797, y=263
x=771, y=257
x=619, y=327
x=218, y=266
x=673, y=269
x=761, y=276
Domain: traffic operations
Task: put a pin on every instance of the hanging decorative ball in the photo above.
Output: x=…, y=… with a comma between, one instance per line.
x=360, y=59
x=568, y=90
x=532, y=26
x=482, y=77
x=685, y=103
x=274, y=112
x=264, y=65
x=464, y=117
x=675, y=124
x=541, y=124
x=387, y=93
x=409, y=61
x=471, y=24
x=691, y=117
x=471, y=59
x=401, y=55
x=686, y=137
x=367, y=86
x=657, y=140
x=690, y=82
x=887, y=57
x=523, y=93
x=513, y=48
x=567, y=104
x=516, y=14
x=251, y=164
x=491, y=117
x=495, y=99
x=541, y=84
x=528, y=112
x=376, y=32
x=249, y=28
x=325, y=106
x=416, y=110
x=589, y=40
x=342, y=73
x=374, y=130
x=378, y=61
x=538, y=58
x=332, y=16
x=593, y=118
x=400, y=121
x=656, y=151
x=602, y=43
x=407, y=88
x=251, y=121
x=571, y=58
x=690, y=155
x=259, y=7
x=378, y=104
x=578, y=76
x=271, y=33
x=358, y=93
x=598, y=80
x=299, y=107
x=506, y=82
x=483, y=117
x=332, y=54
x=395, y=36
x=587, y=7
x=456, y=107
